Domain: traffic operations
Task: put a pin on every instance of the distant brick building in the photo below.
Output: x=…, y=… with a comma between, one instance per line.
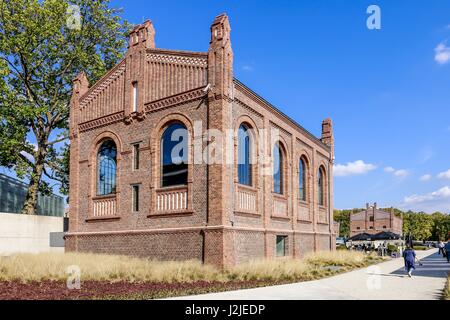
x=373, y=221
x=129, y=194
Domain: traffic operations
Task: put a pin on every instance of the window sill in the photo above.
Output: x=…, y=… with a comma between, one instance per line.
x=280, y=218
x=107, y=196
x=168, y=214
x=246, y=187
x=279, y=196
x=104, y=218
x=304, y=221
x=248, y=214
x=303, y=203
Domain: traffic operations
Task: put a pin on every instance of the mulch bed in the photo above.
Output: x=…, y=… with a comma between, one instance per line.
x=57, y=290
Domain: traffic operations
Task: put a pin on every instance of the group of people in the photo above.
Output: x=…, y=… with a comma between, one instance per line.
x=409, y=255
x=445, y=250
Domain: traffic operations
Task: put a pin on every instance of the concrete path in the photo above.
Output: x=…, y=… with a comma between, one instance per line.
x=386, y=280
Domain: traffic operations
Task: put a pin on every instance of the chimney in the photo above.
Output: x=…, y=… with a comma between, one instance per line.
x=143, y=34
x=327, y=133
x=220, y=58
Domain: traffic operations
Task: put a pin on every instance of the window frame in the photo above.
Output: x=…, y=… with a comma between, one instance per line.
x=98, y=186
x=281, y=160
x=185, y=156
x=303, y=178
x=247, y=180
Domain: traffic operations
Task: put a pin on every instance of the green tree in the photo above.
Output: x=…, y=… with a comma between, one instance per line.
x=420, y=225
x=43, y=46
x=441, y=226
x=343, y=217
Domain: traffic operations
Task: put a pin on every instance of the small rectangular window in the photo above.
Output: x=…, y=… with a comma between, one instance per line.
x=136, y=156
x=281, y=246
x=135, y=97
x=135, y=198
x=358, y=228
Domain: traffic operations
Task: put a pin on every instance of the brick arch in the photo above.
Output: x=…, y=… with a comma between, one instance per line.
x=286, y=165
x=254, y=134
x=308, y=164
x=322, y=167
x=98, y=140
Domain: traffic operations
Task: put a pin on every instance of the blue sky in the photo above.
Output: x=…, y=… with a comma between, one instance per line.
x=387, y=90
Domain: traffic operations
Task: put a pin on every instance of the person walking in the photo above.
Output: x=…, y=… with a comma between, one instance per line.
x=409, y=255
x=441, y=247
x=447, y=251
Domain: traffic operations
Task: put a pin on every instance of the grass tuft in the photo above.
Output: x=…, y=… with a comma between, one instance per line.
x=114, y=268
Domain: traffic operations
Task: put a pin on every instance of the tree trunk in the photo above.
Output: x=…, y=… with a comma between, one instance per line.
x=31, y=198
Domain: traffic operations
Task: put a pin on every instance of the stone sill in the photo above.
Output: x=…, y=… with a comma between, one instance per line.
x=104, y=218
x=169, y=214
x=251, y=214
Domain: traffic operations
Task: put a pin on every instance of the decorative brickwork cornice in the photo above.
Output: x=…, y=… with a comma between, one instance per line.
x=103, y=83
x=189, y=60
x=248, y=108
x=101, y=122
x=175, y=100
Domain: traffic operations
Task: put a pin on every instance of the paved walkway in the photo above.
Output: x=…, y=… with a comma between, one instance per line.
x=386, y=280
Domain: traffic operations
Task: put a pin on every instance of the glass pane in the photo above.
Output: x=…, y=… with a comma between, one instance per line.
x=244, y=165
x=174, y=155
x=281, y=246
x=107, y=168
x=320, y=187
x=277, y=170
x=302, y=180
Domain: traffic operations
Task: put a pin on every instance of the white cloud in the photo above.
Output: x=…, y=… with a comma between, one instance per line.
x=247, y=68
x=442, y=53
x=353, y=168
x=425, y=177
x=398, y=173
x=434, y=201
x=401, y=173
x=444, y=175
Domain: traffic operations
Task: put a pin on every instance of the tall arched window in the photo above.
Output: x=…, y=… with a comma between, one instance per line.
x=244, y=155
x=278, y=174
x=302, y=179
x=174, y=155
x=320, y=186
x=107, y=168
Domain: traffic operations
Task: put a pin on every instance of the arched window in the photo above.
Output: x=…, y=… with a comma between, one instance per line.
x=107, y=168
x=302, y=179
x=244, y=155
x=174, y=155
x=320, y=186
x=278, y=174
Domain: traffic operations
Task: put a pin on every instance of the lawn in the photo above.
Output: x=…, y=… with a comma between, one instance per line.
x=44, y=276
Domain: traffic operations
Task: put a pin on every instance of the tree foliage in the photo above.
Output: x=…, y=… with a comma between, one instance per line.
x=41, y=52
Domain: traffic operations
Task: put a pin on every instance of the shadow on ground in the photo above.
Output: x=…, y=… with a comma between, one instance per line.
x=434, y=266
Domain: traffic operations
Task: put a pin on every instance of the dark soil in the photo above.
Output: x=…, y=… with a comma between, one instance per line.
x=57, y=290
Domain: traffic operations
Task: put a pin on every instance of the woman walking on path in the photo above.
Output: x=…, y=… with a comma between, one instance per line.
x=409, y=255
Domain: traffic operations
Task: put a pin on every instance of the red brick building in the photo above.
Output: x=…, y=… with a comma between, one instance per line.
x=265, y=191
x=373, y=220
